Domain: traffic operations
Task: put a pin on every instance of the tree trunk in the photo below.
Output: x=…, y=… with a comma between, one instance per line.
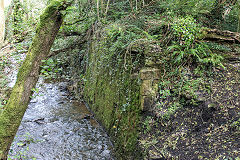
x=10, y=10
x=98, y=14
x=2, y=22
x=238, y=5
x=221, y=36
x=17, y=20
x=47, y=29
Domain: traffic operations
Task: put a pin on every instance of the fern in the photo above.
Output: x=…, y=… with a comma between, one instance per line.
x=186, y=48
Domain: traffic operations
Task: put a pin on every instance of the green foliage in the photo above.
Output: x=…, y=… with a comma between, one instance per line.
x=17, y=17
x=231, y=20
x=79, y=17
x=118, y=43
x=218, y=47
x=22, y=148
x=187, y=29
x=49, y=68
x=118, y=10
x=35, y=93
x=236, y=125
x=147, y=124
x=166, y=95
x=22, y=22
x=224, y=15
x=187, y=49
x=185, y=63
x=171, y=109
x=3, y=62
x=187, y=7
x=210, y=13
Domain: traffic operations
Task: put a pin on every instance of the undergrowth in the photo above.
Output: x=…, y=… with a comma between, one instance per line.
x=189, y=61
x=3, y=82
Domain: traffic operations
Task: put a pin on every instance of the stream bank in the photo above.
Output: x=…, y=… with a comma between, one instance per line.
x=153, y=112
x=55, y=125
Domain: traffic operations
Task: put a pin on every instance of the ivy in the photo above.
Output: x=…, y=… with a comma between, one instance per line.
x=188, y=48
x=189, y=61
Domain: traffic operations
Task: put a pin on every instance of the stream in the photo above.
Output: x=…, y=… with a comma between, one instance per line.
x=58, y=127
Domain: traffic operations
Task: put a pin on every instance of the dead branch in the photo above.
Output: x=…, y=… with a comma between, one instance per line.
x=218, y=35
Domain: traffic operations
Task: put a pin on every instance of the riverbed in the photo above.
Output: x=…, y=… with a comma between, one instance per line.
x=57, y=126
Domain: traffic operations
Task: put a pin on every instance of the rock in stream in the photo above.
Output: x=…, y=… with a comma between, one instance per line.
x=55, y=127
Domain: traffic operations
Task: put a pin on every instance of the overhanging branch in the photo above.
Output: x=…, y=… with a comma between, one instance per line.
x=68, y=48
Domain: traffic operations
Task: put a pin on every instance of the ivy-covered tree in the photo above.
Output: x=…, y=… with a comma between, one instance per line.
x=47, y=29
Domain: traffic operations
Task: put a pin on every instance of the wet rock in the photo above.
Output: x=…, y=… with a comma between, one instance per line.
x=61, y=102
x=57, y=132
x=39, y=121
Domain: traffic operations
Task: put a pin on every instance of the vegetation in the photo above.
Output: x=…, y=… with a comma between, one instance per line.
x=102, y=47
x=11, y=117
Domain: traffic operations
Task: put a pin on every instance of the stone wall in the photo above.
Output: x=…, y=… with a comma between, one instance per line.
x=113, y=95
x=118, y=95
x=149, y=86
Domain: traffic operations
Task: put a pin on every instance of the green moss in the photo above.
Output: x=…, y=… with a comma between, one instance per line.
x=113, y=95
x=54, y=7
x=28, y=74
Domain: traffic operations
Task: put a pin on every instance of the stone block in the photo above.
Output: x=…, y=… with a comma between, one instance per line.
x=147, y=88
x=153, y=50
x=155, y=84
x=146, y=103
x=158, y=74
x=150, y=73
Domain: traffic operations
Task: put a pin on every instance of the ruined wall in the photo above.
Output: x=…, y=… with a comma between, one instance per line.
x=117, y=91
x=113, y=96
x=148, y=104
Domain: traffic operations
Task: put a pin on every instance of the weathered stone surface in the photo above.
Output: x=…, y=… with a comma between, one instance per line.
x=149, y=87
x=150, y=73
x=146, y=103
x=146, y=88
x=153, y=50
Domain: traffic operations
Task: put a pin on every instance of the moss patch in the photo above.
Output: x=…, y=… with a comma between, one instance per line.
x=27, y=77
x=112, y=92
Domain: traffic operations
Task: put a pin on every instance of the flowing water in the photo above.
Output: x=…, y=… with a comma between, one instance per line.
x=57, y=127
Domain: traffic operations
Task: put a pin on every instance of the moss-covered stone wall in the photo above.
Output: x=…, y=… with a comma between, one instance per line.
x=142, y=96
x=117, y=78
x=112, y=91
